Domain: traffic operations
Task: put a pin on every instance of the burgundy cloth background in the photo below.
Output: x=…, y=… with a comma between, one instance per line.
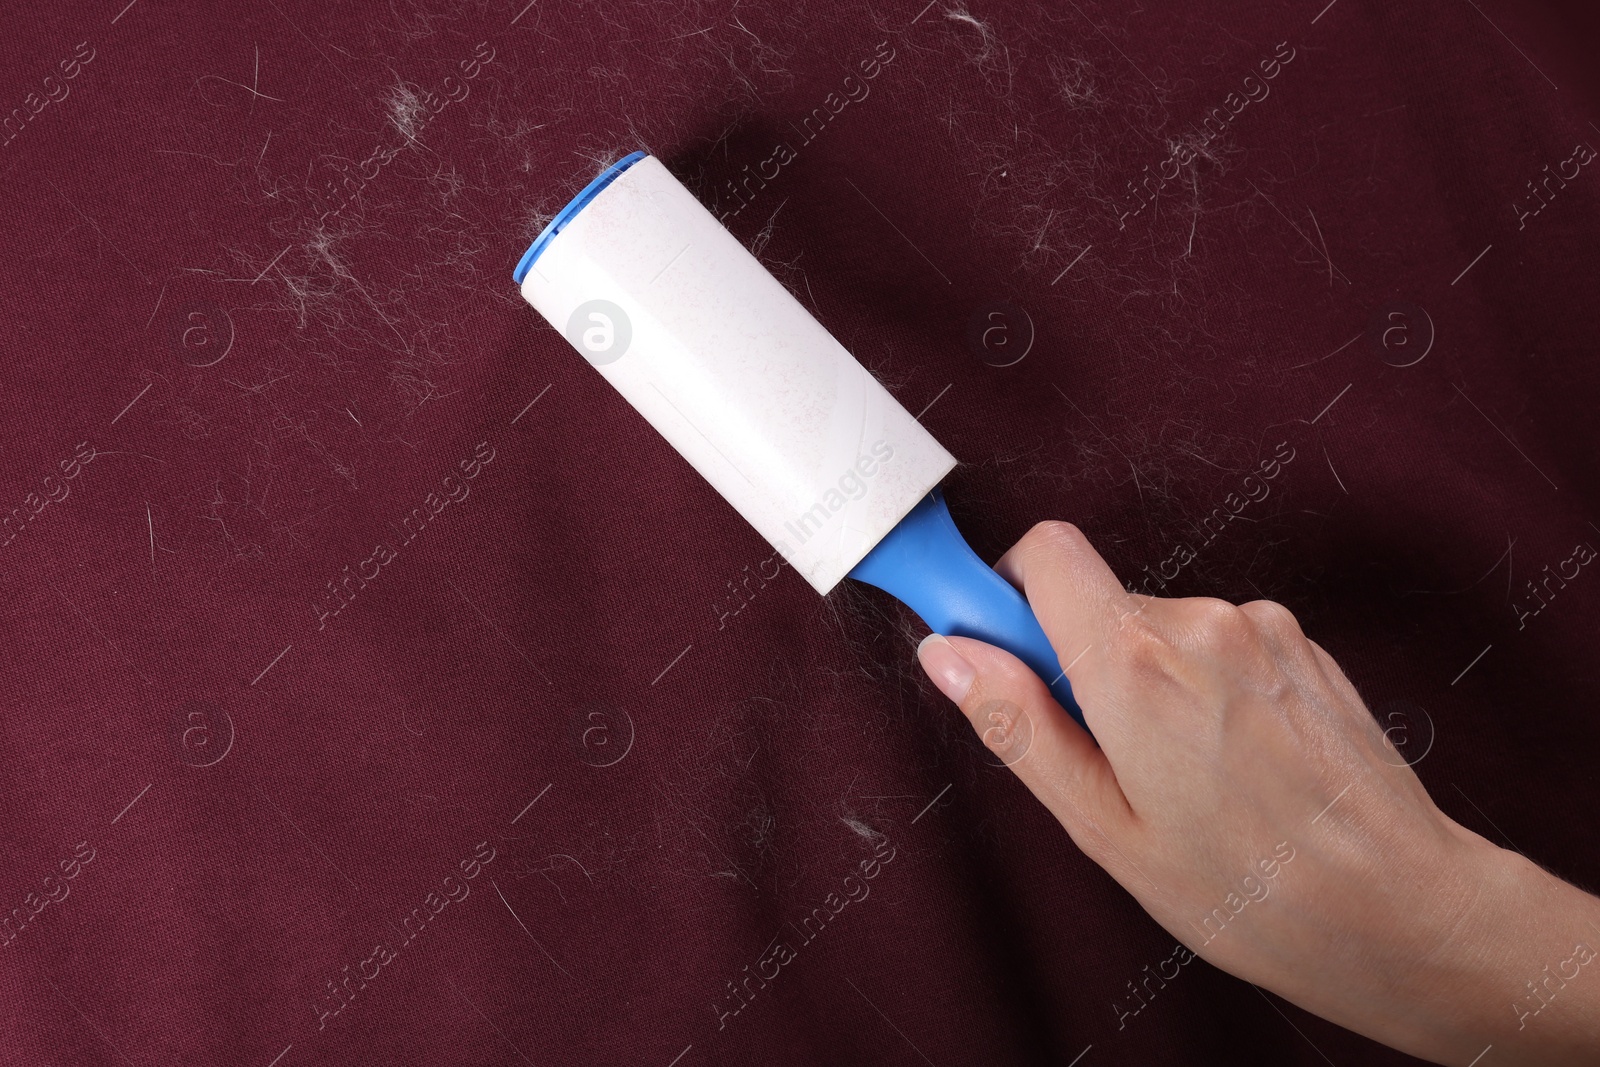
x=558, y=765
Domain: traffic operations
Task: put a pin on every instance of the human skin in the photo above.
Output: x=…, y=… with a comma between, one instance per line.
x=1224, y=732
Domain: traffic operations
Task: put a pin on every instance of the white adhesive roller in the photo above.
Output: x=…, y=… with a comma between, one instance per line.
x=694, y=332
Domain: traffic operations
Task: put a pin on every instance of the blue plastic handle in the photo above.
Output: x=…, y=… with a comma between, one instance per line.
x=926, y=564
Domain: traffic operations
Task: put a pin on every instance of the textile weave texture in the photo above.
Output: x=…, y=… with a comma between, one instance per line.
x=380, y=688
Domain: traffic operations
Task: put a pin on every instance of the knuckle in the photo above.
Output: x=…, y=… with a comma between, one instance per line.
x=1219, y=623
x=1272, y=617
x=1052, y=536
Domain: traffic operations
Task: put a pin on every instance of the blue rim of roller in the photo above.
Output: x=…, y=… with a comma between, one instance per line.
x=568, y=213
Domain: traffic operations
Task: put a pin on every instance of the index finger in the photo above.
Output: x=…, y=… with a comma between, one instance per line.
x=1071, y=589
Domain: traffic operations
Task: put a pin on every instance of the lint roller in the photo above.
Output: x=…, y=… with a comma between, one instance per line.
x=733, y=371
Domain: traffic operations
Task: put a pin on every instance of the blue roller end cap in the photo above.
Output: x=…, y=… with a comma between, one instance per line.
x=926, y=564
x=568, y=213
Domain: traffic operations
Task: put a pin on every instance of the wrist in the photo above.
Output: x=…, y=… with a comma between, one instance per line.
x=1524, y=970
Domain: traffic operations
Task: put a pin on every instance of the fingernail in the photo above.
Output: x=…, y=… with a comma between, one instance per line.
x=952, y=674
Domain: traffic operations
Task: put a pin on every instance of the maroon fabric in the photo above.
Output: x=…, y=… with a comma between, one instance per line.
x=380, y=689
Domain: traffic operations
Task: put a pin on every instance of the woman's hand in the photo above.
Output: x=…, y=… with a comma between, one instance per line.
x=1244, y=795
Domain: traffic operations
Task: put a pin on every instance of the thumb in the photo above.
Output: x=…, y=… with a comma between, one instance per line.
x=1018, y=720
